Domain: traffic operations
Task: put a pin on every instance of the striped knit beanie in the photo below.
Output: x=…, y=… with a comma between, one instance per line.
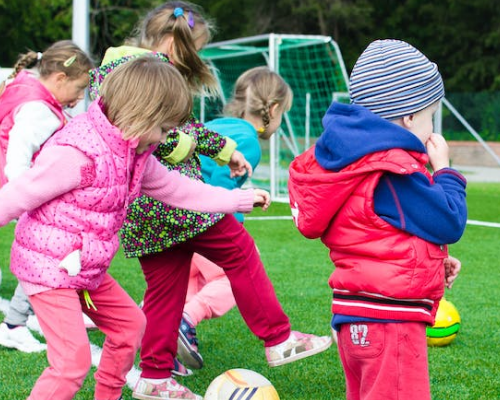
x=393, y=79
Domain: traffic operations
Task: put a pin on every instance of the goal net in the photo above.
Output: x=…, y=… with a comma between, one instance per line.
x=314, y=69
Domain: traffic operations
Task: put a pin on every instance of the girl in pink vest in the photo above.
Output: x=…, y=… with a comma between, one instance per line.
x=31, y=110
x=71, y=204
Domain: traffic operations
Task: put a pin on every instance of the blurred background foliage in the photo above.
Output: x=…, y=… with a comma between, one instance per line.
x=461, y=36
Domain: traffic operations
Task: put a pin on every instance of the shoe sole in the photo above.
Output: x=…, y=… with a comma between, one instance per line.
x=300, y=356
x=190, y=357
x=143, y=396
x=178, y=373
x=147, y=397
x=14, y=345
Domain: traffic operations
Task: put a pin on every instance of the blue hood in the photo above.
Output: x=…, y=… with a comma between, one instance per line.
x=351, y=132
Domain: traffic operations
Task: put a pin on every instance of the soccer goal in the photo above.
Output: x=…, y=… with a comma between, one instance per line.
x=313, y=67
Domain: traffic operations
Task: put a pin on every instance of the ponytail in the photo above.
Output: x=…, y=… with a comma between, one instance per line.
x=63, y=56
x=188, y=27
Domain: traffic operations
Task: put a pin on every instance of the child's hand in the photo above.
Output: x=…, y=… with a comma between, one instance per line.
x=437, y=149
x=261, y=199
x=239, y=165
x=452, y=267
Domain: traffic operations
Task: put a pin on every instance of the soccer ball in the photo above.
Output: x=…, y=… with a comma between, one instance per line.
x=239, y=383
x=446, y=326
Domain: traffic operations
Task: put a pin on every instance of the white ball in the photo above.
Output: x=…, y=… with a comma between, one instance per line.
x=239, y=383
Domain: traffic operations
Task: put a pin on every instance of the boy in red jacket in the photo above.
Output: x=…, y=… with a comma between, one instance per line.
x=364, y=189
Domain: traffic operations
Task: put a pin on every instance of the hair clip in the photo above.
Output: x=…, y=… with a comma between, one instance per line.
x=190, y=20
x=69, y=61
x=39, y=56
x=178, y=12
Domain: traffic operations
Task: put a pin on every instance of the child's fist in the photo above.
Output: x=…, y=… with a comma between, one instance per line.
x=261, y=199
x=438, y=152
x=452, y=267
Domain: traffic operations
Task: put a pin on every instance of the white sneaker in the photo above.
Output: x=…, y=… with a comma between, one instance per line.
x=20, y=338
x=298, y=346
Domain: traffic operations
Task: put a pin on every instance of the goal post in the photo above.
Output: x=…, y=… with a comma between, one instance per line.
x=313, y=67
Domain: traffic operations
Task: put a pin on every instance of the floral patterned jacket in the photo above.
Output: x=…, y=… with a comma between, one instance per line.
x=152, y=226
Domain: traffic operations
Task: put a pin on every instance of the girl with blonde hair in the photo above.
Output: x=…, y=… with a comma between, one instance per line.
x=255, y=111
x=71, y=204
x=32, y=108
x=164, y=238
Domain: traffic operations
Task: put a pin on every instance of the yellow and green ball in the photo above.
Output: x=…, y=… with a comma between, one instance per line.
x=446, y=327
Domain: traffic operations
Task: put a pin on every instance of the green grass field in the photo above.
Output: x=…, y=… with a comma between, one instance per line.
x=299, y=269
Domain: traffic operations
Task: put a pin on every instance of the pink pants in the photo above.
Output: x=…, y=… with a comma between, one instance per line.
x=59, y=312
x=385, y=361
x=230, y=246
x=209, y=292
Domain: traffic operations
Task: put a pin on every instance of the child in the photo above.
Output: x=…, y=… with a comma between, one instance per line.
x=260, y=97
x=31, y=110
x=365, y=190
x=164, y=238
x=71, y=204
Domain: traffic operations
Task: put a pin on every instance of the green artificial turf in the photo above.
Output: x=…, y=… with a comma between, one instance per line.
x=299, y=269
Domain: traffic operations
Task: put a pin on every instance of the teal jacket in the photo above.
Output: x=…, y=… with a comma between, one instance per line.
x=247, y=142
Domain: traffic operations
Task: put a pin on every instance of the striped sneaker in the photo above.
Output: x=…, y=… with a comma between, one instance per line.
x=297, y=346
x=187, y=344
x=180, y=369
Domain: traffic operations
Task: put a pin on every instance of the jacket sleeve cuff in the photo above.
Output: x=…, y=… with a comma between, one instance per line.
x=452, y=172
x=182, y=149
x=227, y=151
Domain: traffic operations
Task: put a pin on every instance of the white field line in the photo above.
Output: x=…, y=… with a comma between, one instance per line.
x=483, y=223
x=271, y=218
x=289, y=217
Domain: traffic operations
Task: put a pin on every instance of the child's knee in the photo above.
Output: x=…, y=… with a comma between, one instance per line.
x=82, y=359
x=141, y=323
x=135, y=327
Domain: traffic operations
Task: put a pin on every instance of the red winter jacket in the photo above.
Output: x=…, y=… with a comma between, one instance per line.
x=380, y=271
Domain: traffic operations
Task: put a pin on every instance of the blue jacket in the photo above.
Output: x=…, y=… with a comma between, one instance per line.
x=245, y=136
x=352, y=132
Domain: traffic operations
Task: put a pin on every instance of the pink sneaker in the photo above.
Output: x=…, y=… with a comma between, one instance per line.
x=297, y=346
x=167, y=389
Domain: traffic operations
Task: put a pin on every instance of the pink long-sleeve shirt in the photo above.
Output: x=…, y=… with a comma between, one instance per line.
x=75, y=197
x=59, y=170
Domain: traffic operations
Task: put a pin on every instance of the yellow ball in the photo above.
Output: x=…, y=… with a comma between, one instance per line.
x=447, y=324
x=241, y=383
